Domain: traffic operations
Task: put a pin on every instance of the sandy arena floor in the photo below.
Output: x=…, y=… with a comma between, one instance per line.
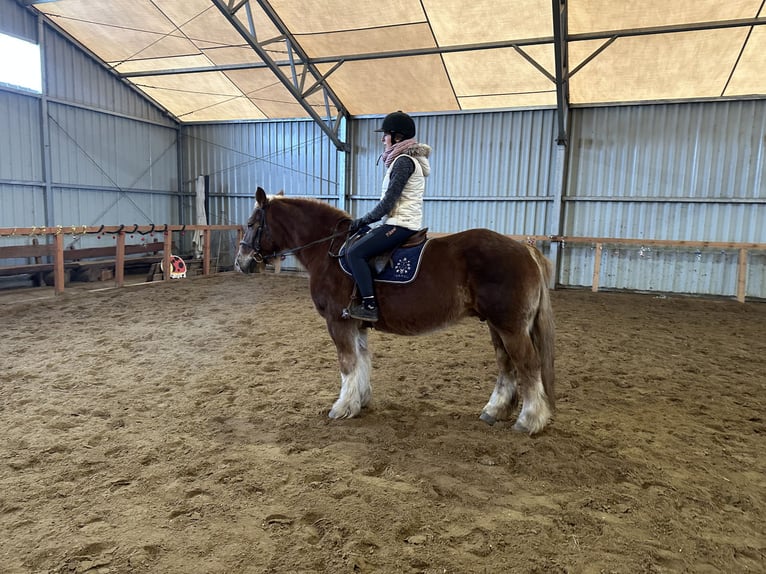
x=182, y=427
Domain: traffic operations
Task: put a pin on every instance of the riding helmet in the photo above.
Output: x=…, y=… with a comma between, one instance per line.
x=398, y=123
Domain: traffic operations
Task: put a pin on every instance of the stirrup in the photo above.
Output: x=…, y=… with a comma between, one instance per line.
x=361, y=312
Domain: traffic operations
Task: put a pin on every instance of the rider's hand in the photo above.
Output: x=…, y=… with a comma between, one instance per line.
x=355, y=226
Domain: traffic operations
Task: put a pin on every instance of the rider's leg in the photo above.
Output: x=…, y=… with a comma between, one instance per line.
x=377, y=241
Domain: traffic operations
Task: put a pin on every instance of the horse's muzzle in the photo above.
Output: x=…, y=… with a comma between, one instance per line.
x=244, y=263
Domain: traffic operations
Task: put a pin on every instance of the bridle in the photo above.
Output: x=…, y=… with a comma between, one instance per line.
x=252, y=239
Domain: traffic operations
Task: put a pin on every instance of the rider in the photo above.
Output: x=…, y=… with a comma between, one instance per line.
x=400, y=207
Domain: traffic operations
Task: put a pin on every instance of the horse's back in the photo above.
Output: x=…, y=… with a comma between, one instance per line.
x=489, y=252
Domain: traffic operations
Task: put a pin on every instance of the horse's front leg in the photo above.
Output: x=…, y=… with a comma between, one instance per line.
x=355, y=361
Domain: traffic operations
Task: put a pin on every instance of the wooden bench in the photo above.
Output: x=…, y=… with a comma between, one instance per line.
x=85, y=263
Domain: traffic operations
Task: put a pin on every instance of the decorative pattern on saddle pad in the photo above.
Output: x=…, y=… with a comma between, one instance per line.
x=403, y=268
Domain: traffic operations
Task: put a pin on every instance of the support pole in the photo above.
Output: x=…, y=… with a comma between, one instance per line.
x=119, y=260
x=58, y=264
x=597, y=266
x=742, y=276
x=166, y=255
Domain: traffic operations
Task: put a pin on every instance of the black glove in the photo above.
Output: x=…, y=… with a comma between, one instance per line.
x=355, y=226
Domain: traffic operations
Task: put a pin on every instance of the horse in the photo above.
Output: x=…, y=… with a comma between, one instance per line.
x=473, y=273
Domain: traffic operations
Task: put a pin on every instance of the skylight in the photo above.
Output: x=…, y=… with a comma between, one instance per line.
x=20, y=64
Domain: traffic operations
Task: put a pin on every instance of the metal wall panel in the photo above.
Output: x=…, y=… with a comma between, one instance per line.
x=93, y=206
x=20, y=154
x=694, y=172
x=116, y=163
x=95, y=149
x=21, y=206
x=18, y=22
x=294, y=156
x=490, y=170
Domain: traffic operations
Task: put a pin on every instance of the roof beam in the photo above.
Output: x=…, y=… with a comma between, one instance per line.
x=297, y=57
x=561, y=58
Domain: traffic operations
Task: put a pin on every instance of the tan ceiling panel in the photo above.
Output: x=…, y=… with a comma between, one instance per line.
x=410, y=84
x=210, y=28
x=661, y=67
x=500, y=72
x=600, y=15
x=165, y=35
x=117, y=44
x=192, y=97
x=137, y=15
x=456, y=22
x=222, y=56
x=263, y=88
x=339, y=15
x=534, y=100
x=368, y=41
x=749, y=77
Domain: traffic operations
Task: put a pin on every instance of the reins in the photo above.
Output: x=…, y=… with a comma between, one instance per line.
x=286, y=252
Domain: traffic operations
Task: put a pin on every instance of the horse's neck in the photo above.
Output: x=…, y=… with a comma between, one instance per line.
x=308, y=224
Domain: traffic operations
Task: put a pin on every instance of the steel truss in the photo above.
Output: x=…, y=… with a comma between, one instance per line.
x=304, y=79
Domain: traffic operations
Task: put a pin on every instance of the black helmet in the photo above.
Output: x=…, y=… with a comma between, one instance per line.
x=398, y=123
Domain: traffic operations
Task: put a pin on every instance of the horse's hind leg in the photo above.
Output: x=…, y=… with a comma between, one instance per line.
x=504, y=397
x=535, y=410
x=354, y=358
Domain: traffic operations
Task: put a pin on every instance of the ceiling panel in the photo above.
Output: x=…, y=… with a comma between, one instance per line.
x=600, y=15
x=661, y=67
x=418, y=55
x=379, y=86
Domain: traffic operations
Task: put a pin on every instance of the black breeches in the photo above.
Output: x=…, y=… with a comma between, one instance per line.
x=377, y=241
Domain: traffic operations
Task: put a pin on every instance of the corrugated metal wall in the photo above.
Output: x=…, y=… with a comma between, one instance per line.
x=490, y=170
x=294, y=156
x=17, y=22
x=693, y=172
x=89, y=150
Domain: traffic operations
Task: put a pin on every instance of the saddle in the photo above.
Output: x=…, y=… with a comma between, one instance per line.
x=385, y=259
x=398, y=265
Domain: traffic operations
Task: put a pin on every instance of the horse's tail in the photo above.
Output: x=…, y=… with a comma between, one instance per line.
x=543, y=328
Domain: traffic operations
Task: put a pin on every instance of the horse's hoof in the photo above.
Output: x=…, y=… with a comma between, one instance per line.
x=487, y=418
x=518, y=427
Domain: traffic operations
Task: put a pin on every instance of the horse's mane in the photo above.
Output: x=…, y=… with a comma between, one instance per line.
x=313, y=204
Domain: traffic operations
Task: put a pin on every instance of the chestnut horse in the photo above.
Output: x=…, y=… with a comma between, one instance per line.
x=476, y=273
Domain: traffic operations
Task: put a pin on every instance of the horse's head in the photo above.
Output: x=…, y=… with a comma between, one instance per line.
x=257, y=243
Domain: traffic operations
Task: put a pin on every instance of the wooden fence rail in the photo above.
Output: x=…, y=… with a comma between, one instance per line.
x=55, y=249
x=59, y=254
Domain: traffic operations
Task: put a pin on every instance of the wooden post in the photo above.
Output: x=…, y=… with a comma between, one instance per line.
x=166, y=255
x=597, y=266
x=58, y=264
x=119, y=260
x=742, y=276
x=205, y=237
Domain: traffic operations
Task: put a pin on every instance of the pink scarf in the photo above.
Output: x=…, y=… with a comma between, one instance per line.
x=396, y=150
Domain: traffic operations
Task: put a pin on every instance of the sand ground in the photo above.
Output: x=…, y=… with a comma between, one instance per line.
x=182, y=427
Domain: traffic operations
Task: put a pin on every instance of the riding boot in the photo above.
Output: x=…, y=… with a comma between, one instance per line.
x=366, y=311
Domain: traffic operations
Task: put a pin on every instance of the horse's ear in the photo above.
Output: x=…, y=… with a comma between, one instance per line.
x=281, y=192
x=260, y=197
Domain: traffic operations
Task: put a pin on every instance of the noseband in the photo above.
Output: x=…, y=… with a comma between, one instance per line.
x=255, y=239
x=252, y=239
